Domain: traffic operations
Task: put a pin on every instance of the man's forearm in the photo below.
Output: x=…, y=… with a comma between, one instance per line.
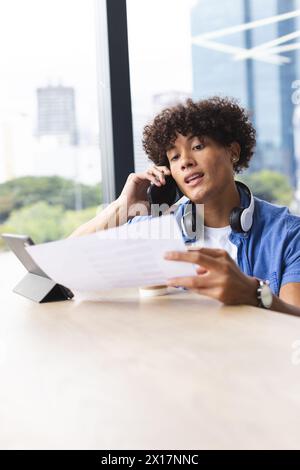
x=113, y=215
x=248, y=296
x=278, y=305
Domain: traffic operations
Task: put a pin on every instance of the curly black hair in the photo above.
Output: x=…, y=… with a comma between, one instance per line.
x=221, y=119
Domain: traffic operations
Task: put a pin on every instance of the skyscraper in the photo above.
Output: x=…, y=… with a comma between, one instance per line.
x=242, y=48
x=57, y=113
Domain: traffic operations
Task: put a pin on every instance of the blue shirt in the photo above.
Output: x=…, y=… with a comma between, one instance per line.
x=271, y=248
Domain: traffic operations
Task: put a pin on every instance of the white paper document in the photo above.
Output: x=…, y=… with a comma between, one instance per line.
x=128, y=256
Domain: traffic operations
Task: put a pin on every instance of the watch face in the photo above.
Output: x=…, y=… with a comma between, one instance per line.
x=266, y=296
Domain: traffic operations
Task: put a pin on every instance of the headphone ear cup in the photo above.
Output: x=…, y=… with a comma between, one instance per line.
x=187, y=223
x=192, y=222
x=235, y=219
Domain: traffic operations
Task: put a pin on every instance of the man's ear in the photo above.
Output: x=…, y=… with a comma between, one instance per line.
x=235, y=151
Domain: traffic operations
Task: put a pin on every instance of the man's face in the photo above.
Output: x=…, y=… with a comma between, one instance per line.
x=201, y=168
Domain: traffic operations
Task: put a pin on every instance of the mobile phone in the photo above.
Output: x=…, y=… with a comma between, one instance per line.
x=168, y=193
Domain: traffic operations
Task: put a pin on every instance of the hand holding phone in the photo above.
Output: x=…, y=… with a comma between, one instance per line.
x=137, y=184
x=169, y=193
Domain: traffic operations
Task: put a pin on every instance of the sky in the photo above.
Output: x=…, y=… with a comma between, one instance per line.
x=51, y=41
x=47, y=41
x=159, y=48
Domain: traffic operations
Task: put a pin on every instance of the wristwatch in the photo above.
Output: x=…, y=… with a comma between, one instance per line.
x=264, y=294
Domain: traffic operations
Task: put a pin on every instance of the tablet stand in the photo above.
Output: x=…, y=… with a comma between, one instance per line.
x=41, y=289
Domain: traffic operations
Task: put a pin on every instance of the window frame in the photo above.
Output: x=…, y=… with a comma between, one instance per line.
x=114, y=96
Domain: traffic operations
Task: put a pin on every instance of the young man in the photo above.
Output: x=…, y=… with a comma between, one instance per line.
x=202, y=145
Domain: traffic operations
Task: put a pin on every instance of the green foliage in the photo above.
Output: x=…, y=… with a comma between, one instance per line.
x=43, y=207
x=73, y=219
x=270, y=186
x=44, y=223
x=41, y=221
x=54, y=190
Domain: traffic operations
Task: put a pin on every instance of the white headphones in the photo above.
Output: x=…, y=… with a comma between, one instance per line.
x=240, y=220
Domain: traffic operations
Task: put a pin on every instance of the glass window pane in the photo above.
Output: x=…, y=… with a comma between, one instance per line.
x=49, y=155
x=247, y=49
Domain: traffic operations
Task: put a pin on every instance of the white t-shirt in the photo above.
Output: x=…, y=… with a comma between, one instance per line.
x=219, y=238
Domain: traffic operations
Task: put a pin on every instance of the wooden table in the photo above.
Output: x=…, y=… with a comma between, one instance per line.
x=175, y=372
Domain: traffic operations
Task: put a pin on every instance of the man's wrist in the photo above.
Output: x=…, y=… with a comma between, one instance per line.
x=252, y=292
x=264, y=294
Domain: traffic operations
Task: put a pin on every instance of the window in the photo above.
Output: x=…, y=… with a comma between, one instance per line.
x=50, y=168
x=247, y=49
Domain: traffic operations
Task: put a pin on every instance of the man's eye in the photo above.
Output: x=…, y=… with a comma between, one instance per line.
x=198, y=147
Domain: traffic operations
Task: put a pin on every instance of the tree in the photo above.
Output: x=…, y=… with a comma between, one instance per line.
x=54, y=190
x=40, y=221
x=270, y=186
x=44, y=223
x=73, y=219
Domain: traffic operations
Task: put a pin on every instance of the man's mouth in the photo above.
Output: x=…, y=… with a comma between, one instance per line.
x=194, y=179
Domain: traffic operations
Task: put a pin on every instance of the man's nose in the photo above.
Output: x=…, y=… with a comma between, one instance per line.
x=187, y=160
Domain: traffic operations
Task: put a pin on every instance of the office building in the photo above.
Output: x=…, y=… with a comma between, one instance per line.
x=261, y=80
x=141, y=119
x=171, y=98
x=57, y=113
